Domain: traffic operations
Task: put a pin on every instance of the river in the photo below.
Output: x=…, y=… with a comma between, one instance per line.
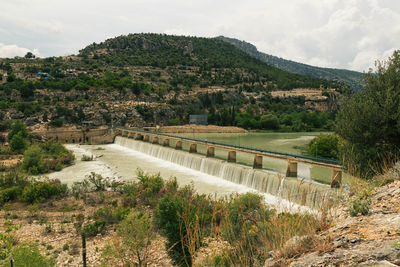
x=294, y=143
x=120, y=160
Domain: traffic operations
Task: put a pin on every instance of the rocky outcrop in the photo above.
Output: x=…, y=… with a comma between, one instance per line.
x=371, y=240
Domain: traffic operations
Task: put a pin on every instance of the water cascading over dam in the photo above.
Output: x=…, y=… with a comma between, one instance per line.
x=294, y=190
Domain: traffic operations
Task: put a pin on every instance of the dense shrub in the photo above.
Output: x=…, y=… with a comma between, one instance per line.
x=269, y=122
x=33, y=160
x=4, y=124
x=149, y=187
x=18, y=143
x=18, y=128
x=369, y=122
x=243, y=210
x=95, y=228
x=14, y=185
x=29, y=255
x=183, y=218
x=325, y=146
x=98, y=182
x=41, y=191
x=49, y=156
x=359, y=206
x=111, y=215
x=18, y=137
x=10, y=194
x=56, y=122
x=13, y=178
x=147, y=190
x=284, y=119
x=136, y=233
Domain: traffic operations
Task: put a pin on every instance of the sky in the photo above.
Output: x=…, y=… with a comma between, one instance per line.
x=350, y=34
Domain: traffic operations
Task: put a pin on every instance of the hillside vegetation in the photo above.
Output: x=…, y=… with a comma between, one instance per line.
x=149, y=79
x=369, y=122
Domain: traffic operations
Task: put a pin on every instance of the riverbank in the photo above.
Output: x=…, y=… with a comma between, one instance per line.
x=372, y=239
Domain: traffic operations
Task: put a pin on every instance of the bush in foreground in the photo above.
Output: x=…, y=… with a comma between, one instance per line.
x=135, y=234
x=369, y=122
x=183, y=218
x=15, y=186
x=249, y=229
x=28, y=255
x=40, y=191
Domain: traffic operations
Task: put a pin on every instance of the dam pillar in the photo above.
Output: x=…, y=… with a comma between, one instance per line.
x=231, y=156
x=146, y=138
x=291, y=170
x=129, y=135
x=138, y=136
x=336, y=178
x=178, y=145
x=257, y=164
x=210, y=151
x=155, y=140
x=165, y=142
x=193, y=148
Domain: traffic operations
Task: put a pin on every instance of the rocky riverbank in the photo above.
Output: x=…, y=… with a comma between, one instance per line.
x=371, y=240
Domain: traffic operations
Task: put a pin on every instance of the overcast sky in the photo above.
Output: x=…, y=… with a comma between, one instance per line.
x=348, y=34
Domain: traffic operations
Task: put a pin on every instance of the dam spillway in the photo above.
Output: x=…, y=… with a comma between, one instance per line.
x=298, y=191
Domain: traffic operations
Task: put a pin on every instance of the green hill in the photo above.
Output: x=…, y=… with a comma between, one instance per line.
x=149, y=79
x=163, y=51
x=352, y=78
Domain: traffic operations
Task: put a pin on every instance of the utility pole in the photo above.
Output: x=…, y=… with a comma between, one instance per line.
x=83, y=249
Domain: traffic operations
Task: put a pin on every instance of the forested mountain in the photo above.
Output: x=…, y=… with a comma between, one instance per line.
x=206, y=53
x=148, y=79
x=353, y=78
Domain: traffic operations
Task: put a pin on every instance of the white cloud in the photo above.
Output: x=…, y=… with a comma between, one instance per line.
x=329, y=33
x=9, y=51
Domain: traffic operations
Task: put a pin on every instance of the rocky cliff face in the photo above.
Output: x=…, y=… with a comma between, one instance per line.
x=371, y=240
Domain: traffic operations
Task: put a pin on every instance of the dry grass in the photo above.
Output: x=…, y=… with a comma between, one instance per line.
x=261, y=233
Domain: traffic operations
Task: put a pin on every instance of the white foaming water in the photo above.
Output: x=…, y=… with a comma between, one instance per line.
x=211, y=184
x=80, y=169
x=276, y=188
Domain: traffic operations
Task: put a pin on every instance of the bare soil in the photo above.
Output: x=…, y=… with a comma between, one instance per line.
x=11, y=160
x=51, y=226
x=310, y=94
x=193, y=128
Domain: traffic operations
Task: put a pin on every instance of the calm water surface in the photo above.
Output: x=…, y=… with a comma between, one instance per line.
x=293, y=143
x=281, y=142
